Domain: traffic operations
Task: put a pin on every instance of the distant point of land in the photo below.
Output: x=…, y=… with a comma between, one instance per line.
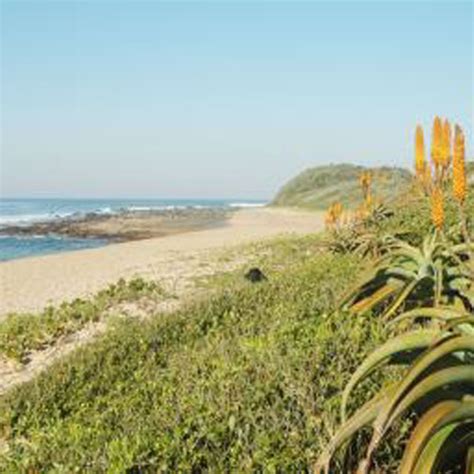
x=318, y=187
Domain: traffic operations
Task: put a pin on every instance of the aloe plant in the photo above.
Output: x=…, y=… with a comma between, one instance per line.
x=353, y=239
x=438, y=385
x=436, y=273
x=434, y=287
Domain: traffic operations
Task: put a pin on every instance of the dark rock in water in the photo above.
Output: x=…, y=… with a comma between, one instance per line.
x=126, y=225
x=255, y=275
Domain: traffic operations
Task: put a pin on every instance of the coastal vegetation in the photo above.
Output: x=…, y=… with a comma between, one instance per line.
x=241, y=382
x=319, y=187
x=356, y=353
x=20, y=333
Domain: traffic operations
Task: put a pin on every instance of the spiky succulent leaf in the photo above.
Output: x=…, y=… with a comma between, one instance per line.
x=363, y=417
x=407, y=344
x=375, y=298
x=443, y=313
x=449, y=444
x=423, y=389
x=448, y=276
x=446, y=346
x=470, y=460
x=422, y=433
x=426, y=460
x=401, y=297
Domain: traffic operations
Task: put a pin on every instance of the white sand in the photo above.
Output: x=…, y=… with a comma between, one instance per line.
x=32, y=283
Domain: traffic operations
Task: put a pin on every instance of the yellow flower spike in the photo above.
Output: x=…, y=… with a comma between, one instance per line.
x=437, y=145
x=419, y=153
x=328, y=220
x=334, y=215
x=369, y=201
x=446, y=148
x=459, y=167
x=365, y=181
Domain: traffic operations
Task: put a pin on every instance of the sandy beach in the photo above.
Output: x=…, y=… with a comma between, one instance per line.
x=32, y=283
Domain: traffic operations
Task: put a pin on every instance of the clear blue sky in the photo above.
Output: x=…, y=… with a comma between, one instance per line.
x=154, y=99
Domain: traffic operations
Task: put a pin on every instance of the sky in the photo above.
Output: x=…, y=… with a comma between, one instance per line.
x=220, y=99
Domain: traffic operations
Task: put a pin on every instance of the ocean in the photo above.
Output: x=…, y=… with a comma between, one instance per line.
x=27, y=211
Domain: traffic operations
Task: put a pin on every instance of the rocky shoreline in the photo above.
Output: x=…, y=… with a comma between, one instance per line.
x=126, y=225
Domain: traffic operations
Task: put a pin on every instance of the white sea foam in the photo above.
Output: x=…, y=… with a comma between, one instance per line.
x=18, y=219
x=247, y=204
x=141, y=208
x=104, y=210
x=32, y=237
x=169, y=207
x=147, y=208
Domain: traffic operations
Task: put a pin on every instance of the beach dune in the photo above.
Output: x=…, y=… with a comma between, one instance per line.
x=32, y=283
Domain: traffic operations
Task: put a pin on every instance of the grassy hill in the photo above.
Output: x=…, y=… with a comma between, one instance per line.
x=318, y=187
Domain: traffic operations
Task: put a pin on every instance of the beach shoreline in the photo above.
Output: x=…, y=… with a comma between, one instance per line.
x=30, y=284
x=123, y=226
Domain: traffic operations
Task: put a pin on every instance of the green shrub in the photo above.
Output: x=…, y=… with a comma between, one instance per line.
x=318, y=187
x=247, y=381
x=23, y=333
x=411, y=219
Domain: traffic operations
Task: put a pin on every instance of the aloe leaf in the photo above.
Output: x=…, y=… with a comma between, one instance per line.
x=427, y=245
x=446, y=444
x=400, y=299
x=427, y=458
x=401, y=273
x=470, y=460
x=462, y=248
x=372, y=277
x=438, y=287
x=444, y=348
x=463, y=413
x=461, y=263
x=441, y=312
x=447, y=346
x=401, y=344
x=375, y=298
x=422, y=432
x=463, y=321
x=423, y=389
x=406, y=250
x=363, y=417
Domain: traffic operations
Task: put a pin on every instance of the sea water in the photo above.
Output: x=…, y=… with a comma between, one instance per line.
x=23, y=212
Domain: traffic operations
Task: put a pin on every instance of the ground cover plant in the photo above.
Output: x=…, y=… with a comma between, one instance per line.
x=22, y=333
x=242, y=382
